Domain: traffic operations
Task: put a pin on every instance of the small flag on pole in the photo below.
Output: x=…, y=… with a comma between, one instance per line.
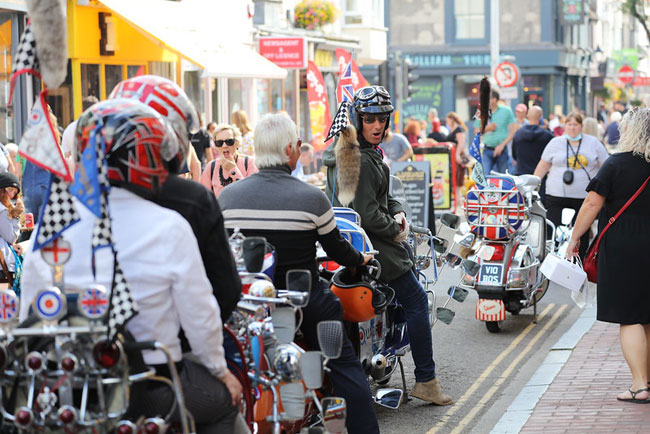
x=475, y=152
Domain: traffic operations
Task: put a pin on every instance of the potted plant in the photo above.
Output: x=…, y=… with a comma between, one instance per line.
x=314, y=14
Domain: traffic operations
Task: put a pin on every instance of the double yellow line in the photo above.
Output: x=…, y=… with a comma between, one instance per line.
x=504, y=375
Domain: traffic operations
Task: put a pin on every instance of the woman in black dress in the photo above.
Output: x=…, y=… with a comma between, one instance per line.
x=456, y=136
x=623, y=259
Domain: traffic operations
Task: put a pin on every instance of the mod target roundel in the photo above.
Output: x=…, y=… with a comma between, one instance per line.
x=50, y=304
x=8, y=306
x=93, y=302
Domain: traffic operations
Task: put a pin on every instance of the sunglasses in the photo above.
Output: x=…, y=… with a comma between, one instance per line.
x=220, y=143
x=371, y=119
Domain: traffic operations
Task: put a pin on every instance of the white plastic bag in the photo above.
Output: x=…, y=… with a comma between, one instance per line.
x=586, y=296
x=564, y=272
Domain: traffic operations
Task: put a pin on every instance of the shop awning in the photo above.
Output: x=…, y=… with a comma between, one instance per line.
x=192, y=32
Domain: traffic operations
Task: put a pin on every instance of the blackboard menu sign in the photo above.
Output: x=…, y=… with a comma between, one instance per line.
x=415, y=177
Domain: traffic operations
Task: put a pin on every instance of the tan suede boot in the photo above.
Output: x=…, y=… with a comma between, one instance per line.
x=431, y=392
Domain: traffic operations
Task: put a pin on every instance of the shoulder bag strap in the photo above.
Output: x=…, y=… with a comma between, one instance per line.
x=620, y=211
x=212, y=166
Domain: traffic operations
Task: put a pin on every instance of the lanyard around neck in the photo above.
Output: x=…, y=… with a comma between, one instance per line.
x=575, y=153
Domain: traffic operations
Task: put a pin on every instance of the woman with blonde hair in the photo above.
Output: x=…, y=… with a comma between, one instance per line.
x=229, y=165
x=240, y=120
x=590, y=126
x=623, y=294
x=11, y=211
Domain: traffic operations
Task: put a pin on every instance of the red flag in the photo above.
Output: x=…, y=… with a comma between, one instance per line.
x=319, y=107
x=343, y=57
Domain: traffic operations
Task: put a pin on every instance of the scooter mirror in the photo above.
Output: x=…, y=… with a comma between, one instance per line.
x=440, y=245
x=389, y=398
x=311, y=368
x=452, y=260
x=284, y=323
x=299, y=286
x=450, y=220
x=468, y=240
x=567, y=216
x=458, y=294
x=470, y=267
x=253, y=250
x=293, y=400
x=334, y=413
x=486, y=252
x=445, y=315
x=330, y=338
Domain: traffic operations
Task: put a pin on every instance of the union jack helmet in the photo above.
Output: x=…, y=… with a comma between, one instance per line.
x=133, y=139
x=170, y=101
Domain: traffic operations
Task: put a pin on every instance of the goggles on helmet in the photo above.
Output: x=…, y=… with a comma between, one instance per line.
x=369, y=92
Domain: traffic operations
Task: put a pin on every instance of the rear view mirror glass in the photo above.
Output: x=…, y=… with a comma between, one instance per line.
x=567, y=216
x=389, y=398
x=299, y=286
x=330, y=338
x=253, y=250
x=450, y=220
x=445, y=315
x=334, y=413
x=452, y=260
x=470, y=267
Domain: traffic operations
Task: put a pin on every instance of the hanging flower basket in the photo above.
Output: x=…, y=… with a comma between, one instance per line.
x=313, y=14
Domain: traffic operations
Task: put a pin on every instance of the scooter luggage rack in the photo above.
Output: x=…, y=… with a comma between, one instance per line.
x=476, y=213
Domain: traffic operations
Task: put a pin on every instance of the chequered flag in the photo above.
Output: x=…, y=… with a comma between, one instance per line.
x=122, y=307
x=25, y=58
x=58, y=214
x=102, y=235
x=340, y=120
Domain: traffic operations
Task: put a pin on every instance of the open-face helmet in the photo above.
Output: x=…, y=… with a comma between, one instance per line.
x=370, y=100
x=360, y=293
x=168, y=99
x=134, y=138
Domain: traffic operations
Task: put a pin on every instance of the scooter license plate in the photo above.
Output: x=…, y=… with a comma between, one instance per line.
x=491, y=274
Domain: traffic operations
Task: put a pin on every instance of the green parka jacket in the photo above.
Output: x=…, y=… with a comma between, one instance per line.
x=376, y=207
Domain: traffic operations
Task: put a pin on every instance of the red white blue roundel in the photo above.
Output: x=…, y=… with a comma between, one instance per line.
x=8, y=306
x=49, y=304
x=495, y=212
x=93, y=302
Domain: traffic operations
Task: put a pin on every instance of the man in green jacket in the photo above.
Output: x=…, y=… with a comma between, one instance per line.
x=384, y=221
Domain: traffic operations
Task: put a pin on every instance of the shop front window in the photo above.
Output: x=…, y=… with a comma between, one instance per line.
x=276, y=95
x=290, y=94
x=534, y=93
x=467, y=96
x=90, y=80
x=192, y=83
x=469, y=17
x=135, y=71
x=6, y=117
x=262, y=97
x=112, y=76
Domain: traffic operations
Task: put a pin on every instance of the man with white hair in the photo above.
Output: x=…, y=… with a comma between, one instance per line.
x=293, y=216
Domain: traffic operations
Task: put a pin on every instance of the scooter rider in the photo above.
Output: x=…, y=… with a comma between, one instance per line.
x=190, y=199
x=160, y=260
x=293, y=215
x=384, y=221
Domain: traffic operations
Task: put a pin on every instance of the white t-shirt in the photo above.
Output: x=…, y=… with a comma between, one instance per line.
x=4, y=159
x=591, y=154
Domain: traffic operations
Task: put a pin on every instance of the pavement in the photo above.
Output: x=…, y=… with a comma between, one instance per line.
x=574, y=390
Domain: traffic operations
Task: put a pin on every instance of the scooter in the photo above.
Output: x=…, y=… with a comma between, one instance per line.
x=510, y=225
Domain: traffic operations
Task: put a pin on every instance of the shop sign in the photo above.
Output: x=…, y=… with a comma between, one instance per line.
x=641, y=81
x=509, y=92
x=324, y=58
x=285, y=52
x=428, y=95
x=415, y=178
x=449, y=60
x=572, y=11
x=627, y=56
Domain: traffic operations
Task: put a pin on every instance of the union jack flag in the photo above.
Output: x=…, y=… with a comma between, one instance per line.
x=496, y=212
x=8, y=307
x=345, y=88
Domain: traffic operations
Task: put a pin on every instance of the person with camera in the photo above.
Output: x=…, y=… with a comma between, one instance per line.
x=571, y=161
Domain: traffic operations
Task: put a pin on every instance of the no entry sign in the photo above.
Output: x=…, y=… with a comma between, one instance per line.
x=626, y=74
x=506, y=74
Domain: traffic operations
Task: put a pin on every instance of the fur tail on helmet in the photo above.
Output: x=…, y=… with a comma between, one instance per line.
x=49, y=27
x=348, y=162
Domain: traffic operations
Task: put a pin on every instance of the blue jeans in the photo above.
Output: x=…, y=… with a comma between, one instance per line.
x=348, y=378
x=499, y=164
x=35, y=183
x=412, y=297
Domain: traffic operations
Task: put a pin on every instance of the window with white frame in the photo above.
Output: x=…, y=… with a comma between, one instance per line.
x=368, y=13
x=470, y=19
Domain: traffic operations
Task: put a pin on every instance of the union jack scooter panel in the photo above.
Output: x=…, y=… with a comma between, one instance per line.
x=496, y=212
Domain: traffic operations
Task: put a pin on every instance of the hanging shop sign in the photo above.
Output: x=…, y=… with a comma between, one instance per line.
x=284, y=52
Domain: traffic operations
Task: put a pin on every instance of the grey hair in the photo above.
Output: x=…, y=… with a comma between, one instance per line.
x=616, y=117
x=272, y=135
x=590, y=126
x=236, y=132
x=635, y=132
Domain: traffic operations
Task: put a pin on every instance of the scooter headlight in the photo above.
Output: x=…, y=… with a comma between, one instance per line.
x=286, y=362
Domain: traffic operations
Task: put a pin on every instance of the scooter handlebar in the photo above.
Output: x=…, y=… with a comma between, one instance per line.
x=419, y=230
x=140, y=346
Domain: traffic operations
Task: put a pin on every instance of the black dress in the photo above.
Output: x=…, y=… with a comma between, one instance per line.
x=460, y=168
x=623, y=258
